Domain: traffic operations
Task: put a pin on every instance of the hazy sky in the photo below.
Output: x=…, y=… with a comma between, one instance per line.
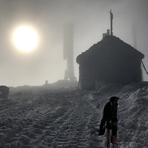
x=90, y=19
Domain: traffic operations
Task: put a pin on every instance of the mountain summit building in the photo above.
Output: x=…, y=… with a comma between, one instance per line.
x=109, y=61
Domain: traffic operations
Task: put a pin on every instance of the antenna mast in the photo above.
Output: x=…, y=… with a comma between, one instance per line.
x=111, y=22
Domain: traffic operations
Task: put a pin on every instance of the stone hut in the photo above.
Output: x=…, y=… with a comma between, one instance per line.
x=109, y=61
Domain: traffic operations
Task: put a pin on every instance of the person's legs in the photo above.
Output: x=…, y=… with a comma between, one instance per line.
x=114, y=135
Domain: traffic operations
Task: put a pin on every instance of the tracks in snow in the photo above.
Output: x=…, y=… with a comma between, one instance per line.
x=66, y=123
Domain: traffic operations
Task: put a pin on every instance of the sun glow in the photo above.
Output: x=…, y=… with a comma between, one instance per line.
x=25, y=38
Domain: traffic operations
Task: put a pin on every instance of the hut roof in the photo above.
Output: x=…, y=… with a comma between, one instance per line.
x=109, y=46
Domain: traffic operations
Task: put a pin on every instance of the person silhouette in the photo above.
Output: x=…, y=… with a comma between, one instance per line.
x=109, y=120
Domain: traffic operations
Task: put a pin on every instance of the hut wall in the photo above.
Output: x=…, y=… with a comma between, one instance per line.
x=130, y=70
x=125, y=71
x=114, y=70
x=87, y=77
x=137, y=72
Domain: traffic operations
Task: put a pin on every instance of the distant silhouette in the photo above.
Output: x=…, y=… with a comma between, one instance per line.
x=46, y=82
x=68, y=51
x=109, y=119
x=4, y=91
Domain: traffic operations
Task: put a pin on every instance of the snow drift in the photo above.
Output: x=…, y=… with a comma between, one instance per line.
x=40, y=117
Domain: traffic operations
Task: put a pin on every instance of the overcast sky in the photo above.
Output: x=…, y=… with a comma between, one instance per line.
x=90, y=19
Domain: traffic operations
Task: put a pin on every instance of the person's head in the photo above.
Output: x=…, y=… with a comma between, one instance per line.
x=114, y=100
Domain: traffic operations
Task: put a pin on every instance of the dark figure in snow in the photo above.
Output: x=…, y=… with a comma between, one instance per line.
x=109, y=119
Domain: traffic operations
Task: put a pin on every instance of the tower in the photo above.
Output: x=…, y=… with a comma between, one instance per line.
x=68, y=51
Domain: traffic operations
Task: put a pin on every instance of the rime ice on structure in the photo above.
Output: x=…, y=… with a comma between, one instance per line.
x=68, y=51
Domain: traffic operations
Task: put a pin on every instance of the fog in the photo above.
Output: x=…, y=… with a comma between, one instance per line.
x=90, y=19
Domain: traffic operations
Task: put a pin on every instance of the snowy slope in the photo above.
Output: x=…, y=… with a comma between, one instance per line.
x=38, y=117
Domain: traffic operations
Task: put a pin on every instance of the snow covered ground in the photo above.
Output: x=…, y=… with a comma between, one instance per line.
x=38, y=117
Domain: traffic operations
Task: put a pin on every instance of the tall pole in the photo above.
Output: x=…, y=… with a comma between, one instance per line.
x=111, y=22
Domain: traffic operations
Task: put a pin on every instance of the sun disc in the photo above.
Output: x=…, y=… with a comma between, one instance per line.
x=25, y=38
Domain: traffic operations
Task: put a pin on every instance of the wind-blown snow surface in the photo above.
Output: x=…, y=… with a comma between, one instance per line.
x=38, y=117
